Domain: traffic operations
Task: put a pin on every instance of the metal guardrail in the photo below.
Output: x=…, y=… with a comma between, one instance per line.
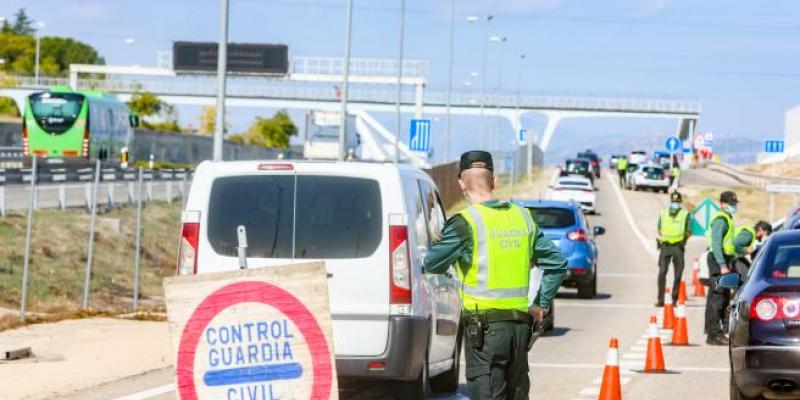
x=10, y=157
x=754, y=179
x=358, y=66
x=249, y=87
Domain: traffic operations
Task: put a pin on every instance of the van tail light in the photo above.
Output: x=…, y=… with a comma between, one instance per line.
x=85, y=147
x=25, y=149
x=578, y=235
x=399, y=266
x=187, y=253
x=768, y=307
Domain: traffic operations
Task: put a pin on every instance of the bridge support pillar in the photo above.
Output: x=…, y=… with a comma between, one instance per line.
x=553, y=118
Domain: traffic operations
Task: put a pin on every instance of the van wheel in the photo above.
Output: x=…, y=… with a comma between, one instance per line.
x=419, y=388
x=447, y=382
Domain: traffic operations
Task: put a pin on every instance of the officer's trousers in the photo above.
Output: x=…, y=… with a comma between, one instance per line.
x=675, y=254
x=499, y=370
x=717, y=300
x=621, y=173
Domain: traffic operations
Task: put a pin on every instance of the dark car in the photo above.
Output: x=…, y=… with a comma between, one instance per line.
x=792, y=220
x=563, y=222
x=594, y=159
x=578, y=166
x=764, y=325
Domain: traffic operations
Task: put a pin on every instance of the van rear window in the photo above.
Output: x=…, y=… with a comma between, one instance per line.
x=289, y=216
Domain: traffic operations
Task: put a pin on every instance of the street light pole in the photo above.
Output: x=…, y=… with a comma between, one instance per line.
x=449, y=81
x=40, y=26
x=399, y=81
x=495, y=130
x=346, y=79
x=481, y=129
x=222, y=66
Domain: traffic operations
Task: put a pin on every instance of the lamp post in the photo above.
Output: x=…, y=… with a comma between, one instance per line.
x=346, y=79
x=40, y=25
x=222, y=67
x=500, y=40
x=449, y=81
x=399, y=82
x=483, y=72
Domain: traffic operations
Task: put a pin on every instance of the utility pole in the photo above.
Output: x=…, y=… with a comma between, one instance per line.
x=449, y=81
x=400, y=82
x=346, y=80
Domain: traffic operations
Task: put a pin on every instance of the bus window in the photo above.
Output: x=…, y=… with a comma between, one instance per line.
x=56, y=112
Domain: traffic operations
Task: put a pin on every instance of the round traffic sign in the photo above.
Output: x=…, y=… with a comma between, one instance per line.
x=270, y=356
x=672, y=144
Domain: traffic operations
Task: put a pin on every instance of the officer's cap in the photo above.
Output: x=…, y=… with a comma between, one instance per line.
x=676, y=197
x=476, y=159
x=728, y=197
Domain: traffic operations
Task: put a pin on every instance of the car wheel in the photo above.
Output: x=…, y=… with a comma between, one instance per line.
x=419, y=388
x=736, y=394
x=588, y=290
x=635, y=187
x=447, y=382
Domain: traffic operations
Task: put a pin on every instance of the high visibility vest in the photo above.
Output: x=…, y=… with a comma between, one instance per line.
x=727, y=239
x=622, y=164
x=750, y=245
x=673, y=229
x=498, y=276
x=676, y=172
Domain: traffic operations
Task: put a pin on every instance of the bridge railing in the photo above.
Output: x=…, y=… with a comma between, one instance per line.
x=282, y=89
x=358, y=66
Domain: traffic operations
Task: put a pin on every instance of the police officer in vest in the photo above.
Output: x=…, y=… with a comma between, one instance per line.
x=494, y=244
x=721, y=258
x=673, y=231
x=622, y=169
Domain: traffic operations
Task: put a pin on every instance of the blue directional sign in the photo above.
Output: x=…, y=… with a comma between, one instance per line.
x=521, y=135
x=773, y=146
x=420, y=135
x=672, y=144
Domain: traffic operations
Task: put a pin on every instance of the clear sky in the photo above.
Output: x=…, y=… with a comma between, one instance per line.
x=739, y=58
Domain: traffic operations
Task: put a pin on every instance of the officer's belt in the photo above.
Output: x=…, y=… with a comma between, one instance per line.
x=497, y=315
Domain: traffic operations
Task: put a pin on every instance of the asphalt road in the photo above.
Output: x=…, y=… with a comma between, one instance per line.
x=568, y=362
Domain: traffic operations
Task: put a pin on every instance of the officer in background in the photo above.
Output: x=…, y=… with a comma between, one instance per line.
x=494, y=245
x=673, y=232
x=721, y=259
x=744, y=241
x=763, y=230
x=674, y=175
x=622, y=169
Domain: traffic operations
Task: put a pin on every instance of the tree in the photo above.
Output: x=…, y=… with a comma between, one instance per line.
x=145, y=104
x=23, y=25
x=272, y=132
x=208, y=121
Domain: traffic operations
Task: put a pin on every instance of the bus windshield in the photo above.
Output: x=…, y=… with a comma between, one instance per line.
x=56, y=112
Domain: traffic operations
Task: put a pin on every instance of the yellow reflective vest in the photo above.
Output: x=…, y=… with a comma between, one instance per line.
x=502, y=241
x=672, y=230
x=728, y=247
x=622, y=164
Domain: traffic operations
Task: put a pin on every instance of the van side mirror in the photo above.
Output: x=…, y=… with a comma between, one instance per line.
x=599, y=230
x=730, y=280
x=133, y=119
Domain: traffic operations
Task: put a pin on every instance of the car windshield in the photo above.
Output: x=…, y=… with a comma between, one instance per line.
x=590, y=156
x=639, y=153
x=577, y=166
x=323, y=216
x=579, y=184
x=56, y=112
x=552, y=217
x=784, y=262
x=653, y=172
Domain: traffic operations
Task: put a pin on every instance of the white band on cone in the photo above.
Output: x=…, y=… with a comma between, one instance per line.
x=653, y=331
x=680, y=312
x=612, y=358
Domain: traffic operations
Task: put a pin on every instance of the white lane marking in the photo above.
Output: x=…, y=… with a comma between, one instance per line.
x=590, y=391
x=149, y=393
x=629, y=217
x=633, y=356
x=624, y=275
x=622, y=379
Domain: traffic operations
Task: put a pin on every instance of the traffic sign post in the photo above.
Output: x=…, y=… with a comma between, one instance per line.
x=773, y=146
x=672, y=144
x=420, y=135
x=258, y=333
x=701, y=216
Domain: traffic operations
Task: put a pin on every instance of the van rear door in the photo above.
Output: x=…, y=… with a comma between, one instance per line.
x=313, y=212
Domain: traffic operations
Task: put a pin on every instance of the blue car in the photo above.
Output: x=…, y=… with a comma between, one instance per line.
x=565, y=224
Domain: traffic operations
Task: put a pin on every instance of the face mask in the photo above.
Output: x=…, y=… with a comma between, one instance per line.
x=730, y=209
x=675, y=206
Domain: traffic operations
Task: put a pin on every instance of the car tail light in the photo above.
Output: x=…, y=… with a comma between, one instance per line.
x=85, y=147
x=770, y=307
x=578, y=235
x=399, y=265
x=187, y=253
x=578, y=271
x=25, y=151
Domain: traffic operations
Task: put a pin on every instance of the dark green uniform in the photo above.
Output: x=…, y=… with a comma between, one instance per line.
x=499, y=369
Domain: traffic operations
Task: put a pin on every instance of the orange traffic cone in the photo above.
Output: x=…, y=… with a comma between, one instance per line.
x=669, y=312
x=680, y=332
x=699, y=288
x=655, y=357
x=611, y=389
x=682, y=292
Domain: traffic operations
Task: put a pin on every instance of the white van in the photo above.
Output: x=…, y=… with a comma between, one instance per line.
x=372, y=224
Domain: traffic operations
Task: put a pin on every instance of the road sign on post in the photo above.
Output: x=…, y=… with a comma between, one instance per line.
x=701, y=216
x=774, y=146
x=264, y=332
x=521, y=136
x=420, y=135
x=672, y=144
